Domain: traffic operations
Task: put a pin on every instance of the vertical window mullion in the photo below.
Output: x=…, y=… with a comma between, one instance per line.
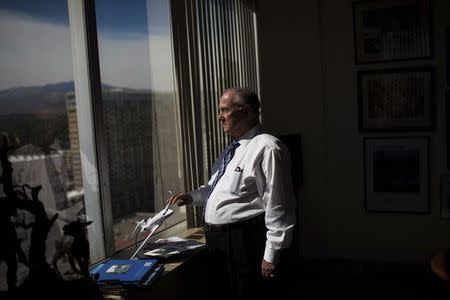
x=239, y=42
x=226, y=43
x=90, y=121
x=243, y=43
x=196, y=11
x=222, y=41
x=250, y=48
x=209, y=79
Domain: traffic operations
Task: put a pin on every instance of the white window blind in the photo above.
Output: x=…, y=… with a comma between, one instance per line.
x=215, y=48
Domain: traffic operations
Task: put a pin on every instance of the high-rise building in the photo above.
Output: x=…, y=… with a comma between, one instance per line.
x=128, y=124
x=74, y=162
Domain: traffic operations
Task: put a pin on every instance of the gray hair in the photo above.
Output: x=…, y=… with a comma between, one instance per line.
x=245, y=96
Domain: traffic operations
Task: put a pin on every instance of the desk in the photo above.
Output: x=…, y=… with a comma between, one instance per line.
x=180, y=277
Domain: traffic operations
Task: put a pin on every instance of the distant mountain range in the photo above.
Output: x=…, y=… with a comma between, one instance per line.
x=37, y=100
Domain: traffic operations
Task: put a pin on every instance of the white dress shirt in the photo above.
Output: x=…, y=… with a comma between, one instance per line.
x=257, y=180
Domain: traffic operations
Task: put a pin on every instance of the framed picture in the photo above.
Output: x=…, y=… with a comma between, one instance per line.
x=445, y=196
x=397, y=99
x=387, y=30
x=396, y=174
x=447, y=93
x=447, y=46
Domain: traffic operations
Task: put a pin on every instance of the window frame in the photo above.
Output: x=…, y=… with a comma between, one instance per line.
x=93, y=143
x=195, y=158
x=92, y=147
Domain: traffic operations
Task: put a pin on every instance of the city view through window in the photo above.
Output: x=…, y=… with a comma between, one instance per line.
x=39, y=118
x=139, y=112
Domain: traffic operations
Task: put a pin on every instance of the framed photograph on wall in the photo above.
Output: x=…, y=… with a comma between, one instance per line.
x=445, y=196
x=396, y=174
x=387, y=30
x=447, y=93
x=396, y=99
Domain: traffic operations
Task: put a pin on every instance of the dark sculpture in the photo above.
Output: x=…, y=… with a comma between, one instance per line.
x=42, y=280
x=37, y=261
x=8, y=209
x=77, y=250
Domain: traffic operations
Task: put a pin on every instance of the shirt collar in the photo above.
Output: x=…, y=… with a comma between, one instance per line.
x=246, y=137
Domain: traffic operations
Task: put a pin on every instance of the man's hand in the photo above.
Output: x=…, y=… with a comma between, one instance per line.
x=184, y=199
x=268, y=269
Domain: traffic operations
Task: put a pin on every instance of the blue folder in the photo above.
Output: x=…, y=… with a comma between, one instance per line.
x=124, y=270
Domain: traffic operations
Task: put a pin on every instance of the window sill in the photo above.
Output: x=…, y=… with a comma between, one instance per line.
x=181, y=273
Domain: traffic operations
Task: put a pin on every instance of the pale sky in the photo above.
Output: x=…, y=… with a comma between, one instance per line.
x=33, y=52
x=36, y=51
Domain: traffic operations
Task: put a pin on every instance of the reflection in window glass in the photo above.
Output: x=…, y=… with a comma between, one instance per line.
x=139, y=111
x=39, y=119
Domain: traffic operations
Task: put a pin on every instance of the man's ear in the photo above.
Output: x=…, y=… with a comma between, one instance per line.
x=245, y=109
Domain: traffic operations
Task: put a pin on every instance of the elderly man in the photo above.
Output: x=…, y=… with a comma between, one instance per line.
x=248, y=202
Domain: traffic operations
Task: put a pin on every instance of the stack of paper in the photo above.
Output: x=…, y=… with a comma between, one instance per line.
x=171, y=246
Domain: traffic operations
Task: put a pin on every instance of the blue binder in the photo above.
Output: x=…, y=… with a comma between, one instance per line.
x=159, y=269
x=124, y=270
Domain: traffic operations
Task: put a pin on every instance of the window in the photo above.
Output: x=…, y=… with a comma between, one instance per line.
x=95, y=99
x=38, y=118
x=139, y=111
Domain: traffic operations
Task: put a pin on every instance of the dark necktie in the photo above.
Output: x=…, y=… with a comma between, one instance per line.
x=229, y=153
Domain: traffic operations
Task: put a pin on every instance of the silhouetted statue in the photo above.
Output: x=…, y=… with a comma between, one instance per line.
x=42, y=280
x=7, y=210
x=37, y=260
x=77, y=250
x=37, y=263
x=9, y=235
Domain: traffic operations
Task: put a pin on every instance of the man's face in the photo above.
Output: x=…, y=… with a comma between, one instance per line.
x=232, y=116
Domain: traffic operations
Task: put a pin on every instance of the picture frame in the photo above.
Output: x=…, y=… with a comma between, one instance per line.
x=396, y=99
x=447, y=53
x=447, y=94
x=445, y=196
x=389, y=30
x=397, y=175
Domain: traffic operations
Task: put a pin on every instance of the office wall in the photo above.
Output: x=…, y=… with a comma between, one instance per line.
x=309, y=86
